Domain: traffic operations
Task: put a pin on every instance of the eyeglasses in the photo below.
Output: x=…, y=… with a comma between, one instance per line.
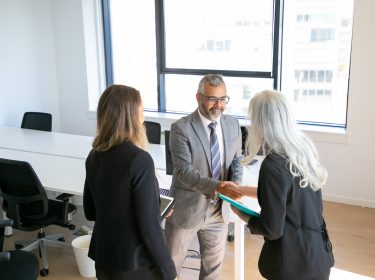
x=212, y=99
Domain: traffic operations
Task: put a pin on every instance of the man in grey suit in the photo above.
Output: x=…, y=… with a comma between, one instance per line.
x=196, y=180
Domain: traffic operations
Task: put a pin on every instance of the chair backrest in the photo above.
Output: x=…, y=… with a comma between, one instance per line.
x=168, y=157
x=37, y=120
x=244, y=136
x=153, y=130
x=23, y=195
x=16, y=264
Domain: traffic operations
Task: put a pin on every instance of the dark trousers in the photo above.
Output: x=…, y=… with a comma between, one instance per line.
x=139, y=274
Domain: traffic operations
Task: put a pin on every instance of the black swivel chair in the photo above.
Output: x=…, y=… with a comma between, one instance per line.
x=16, y=265
x=37, y=120
x=26, y=203
x=244, y=136
x=153, y=130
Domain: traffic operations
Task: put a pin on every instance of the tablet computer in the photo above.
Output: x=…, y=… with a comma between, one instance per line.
x=166, y=204
x=239, y=206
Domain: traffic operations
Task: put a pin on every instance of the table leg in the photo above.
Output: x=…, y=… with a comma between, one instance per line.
x=8, y=230
x=239, y=250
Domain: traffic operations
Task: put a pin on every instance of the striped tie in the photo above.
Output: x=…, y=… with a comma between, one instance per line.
x=215, y=152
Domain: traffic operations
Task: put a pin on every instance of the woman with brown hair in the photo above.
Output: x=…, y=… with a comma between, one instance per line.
x=121, y=194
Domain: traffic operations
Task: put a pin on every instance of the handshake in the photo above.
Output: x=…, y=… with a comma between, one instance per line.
x=235, y=191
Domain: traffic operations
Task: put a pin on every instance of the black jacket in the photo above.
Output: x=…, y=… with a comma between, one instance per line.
x=122, y=196
x=296, y=242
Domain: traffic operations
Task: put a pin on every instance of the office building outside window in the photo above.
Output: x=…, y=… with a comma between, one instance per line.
x=300, y=47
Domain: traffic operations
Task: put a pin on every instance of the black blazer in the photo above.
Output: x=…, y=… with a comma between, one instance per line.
x=291, y=221
x=122, y=196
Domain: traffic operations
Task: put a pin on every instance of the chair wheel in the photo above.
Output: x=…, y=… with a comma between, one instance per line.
x=230, y=238
x=44, y=272
x=18, y=246
x=62, y=239
x=71, y=227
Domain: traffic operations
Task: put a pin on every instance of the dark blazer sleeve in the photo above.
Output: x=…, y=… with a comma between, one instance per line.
x=147, y=212
x=272, y=195
x=88, y=200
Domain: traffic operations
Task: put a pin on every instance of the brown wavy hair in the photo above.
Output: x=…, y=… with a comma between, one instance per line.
x=118, y=118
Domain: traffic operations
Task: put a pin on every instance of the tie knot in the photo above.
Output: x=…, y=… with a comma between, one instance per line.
x=212, y=126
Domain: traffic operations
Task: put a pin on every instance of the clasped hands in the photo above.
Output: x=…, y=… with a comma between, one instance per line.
x=234, y=191
x=229, y=189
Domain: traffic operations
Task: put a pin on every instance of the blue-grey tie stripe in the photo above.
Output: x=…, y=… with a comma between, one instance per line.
x=215, y=152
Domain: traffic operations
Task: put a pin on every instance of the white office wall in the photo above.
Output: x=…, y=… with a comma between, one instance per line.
x=27, y=61
x=349, y=161
x=69, y=46
x=351, y=165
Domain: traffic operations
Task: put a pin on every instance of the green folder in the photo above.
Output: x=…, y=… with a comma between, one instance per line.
x=239, y=206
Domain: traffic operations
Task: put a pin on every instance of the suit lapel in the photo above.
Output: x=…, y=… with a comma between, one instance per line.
x=200, y=130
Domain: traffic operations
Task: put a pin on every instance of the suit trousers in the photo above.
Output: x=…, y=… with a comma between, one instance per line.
x=212, y=235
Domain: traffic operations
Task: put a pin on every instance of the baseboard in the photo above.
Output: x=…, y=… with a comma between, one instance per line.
x=349, y=200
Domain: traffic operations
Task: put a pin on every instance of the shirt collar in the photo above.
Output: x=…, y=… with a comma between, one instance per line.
x=206, y=121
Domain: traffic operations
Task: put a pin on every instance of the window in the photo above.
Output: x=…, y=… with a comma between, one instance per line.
x=133, y=48
x=299, y=47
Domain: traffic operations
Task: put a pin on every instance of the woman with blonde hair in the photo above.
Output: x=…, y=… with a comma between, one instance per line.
x=121, y=194
x=296, y=243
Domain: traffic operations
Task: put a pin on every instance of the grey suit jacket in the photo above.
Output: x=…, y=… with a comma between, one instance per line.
x=192, y=185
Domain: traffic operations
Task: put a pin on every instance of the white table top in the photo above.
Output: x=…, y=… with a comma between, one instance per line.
x=60, y=144
x=59, y=159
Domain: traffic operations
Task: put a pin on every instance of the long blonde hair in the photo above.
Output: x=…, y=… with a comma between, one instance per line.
x=273, y=130
x=118, y=118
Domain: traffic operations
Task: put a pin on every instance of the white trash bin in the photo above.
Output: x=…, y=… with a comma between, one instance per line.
x=86, y=265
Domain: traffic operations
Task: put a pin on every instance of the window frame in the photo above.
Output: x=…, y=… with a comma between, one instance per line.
x=162, y=70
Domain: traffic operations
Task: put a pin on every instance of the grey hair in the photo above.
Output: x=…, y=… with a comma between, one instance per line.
x=273, y=130
x=211, y=79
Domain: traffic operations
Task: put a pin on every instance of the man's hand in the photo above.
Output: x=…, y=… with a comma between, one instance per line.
x=229, y=189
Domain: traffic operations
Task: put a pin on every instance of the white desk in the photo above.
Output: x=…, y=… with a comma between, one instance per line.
x=59, y=161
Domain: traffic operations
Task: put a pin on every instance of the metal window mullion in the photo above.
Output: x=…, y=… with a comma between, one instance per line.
x=160, y=54
x=277, y=44
x=107, y=42
x=228, y=73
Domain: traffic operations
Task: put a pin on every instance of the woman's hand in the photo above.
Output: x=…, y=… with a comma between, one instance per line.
x=244, y=217
x=249, y=191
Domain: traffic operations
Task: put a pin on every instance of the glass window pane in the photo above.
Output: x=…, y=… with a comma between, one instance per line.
x=134, y=48
x=321, y=47
x=181, y=91
x=219, y=34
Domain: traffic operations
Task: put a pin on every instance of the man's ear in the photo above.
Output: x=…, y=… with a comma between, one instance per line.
x=198, y=97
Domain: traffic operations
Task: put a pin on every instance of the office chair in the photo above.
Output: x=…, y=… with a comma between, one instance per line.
x=153, y=130
x=37, y=120
x=16, y=265
x=168, y=157
x=26, y=203
x=244, y=136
